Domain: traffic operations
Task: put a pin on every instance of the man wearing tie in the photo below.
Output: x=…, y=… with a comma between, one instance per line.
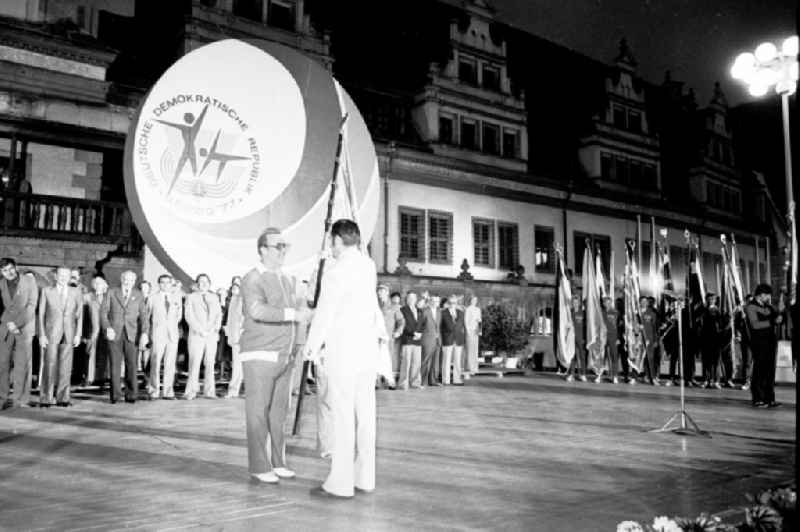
x=123, y=315
x=454, y=335
x=18, y=294
x=60, y=327
x=164, y=311
x=431, y=342
x=204, y=316
x=411, y=344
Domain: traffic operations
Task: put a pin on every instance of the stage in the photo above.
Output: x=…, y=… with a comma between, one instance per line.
x=520, y=453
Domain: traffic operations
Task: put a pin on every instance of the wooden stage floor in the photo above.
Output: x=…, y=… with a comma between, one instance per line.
x=523, y=453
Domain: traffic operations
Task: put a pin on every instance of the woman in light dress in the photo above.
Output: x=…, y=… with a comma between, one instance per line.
x=233, y=330
x=472, y=322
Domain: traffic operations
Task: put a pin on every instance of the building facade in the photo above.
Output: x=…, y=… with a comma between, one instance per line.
x=485, y=168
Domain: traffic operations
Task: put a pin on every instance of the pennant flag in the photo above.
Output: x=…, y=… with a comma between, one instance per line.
x=696, y=286
x=633, y=316
x=793, y=265
x=595, y=324
x=563, y=328
x=598, y=273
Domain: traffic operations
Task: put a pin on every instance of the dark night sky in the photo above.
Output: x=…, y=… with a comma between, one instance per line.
x=696, y=39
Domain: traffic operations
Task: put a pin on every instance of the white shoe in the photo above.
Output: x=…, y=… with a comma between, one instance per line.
x=598, y=379
x=583, y=378
x=615, y=380
x=569, y=378
x=282, y=472
x=267, y=478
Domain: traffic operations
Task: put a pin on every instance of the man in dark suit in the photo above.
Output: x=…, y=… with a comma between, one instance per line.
x=431, y=342
x=60, y=327
x=411, y=342
x=19, y=294
x=453, y=338
x=123, y=316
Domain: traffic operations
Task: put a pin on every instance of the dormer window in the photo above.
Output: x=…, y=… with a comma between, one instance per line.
x=281, y=14
x=619, y=117
x=634, y=122
x=469, y=134
x=627, y=119
x=468, y=71
x=491, y=78
x=446, y=131
x=491, y=139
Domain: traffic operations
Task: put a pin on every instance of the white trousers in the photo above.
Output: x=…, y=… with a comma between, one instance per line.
x=166, y=351
x=235, y=384
x=451, y=354
x=202, y=351
x=352, y=400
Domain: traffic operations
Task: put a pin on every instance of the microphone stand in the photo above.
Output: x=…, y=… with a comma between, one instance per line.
x=686, y=424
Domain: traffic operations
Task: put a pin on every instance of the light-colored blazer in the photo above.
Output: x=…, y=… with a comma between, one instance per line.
x=201, y=320
x=348, y=319
x=60, y=319
x=20, y=309
x=163, y=326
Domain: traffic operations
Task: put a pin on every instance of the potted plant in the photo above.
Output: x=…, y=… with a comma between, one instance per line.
x=504, y=334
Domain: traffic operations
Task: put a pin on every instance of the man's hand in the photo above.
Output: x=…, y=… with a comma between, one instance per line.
x=76, y=341
x=143, y=342
x=417, y=335
x=12, y=328
x=43, y=342
x=397, y=335
x=110, y=334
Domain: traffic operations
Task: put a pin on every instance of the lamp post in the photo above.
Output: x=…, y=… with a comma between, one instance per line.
x=761, y=70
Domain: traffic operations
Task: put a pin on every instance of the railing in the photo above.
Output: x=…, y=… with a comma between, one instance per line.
x=64, y=218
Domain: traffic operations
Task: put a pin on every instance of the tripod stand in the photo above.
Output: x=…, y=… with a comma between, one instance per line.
x=681, y=422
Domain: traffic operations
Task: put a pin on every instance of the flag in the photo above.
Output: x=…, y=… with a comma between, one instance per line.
x=655, y=289
x=563, y=328
x=595, y=324
x=599, y=277
x=696, y=286
x=793, y=265
x=633, y=316
x=736, y=275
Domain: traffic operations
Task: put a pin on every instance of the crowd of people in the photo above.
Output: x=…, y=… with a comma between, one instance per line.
x=736, y=352
x=108, y=336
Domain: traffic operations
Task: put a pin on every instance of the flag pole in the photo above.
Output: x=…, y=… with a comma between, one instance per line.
x=320, y=268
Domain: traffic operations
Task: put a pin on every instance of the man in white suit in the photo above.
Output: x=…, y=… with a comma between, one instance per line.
x=164, y=311
x=60, y=327
x=204, y=316
x=350, y=324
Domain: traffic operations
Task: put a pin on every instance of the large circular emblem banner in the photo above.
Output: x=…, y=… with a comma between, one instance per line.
x=236, y=137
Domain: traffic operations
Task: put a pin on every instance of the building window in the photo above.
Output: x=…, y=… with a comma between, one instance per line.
x=483, y=242
x=508, y=243
x=622, y=171
x=281, y=14
x=543, y=258
x=491, y=139
x=649, y=177
x=412, y=234
x=619, y=117
x=468, y=71
x=606, y=166
x=469, y=134
x=510, y=143
x=446, y=130
x=635, y=173
x=491, y=78
x=634, y=122
x=251, y=9
x=598, y=243
x=440, y=237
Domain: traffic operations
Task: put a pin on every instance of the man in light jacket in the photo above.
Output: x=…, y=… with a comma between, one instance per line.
x=350, y=324
x=18, y=294
x=204, y=316
x=60, y=327
x=165, y=311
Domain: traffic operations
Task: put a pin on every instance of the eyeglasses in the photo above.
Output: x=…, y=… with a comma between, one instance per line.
x=280, y=246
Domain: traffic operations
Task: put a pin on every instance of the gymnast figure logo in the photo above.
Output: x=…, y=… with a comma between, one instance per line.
x=190, y=130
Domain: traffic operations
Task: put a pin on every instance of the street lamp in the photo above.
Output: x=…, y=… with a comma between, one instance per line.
x=761, y=70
